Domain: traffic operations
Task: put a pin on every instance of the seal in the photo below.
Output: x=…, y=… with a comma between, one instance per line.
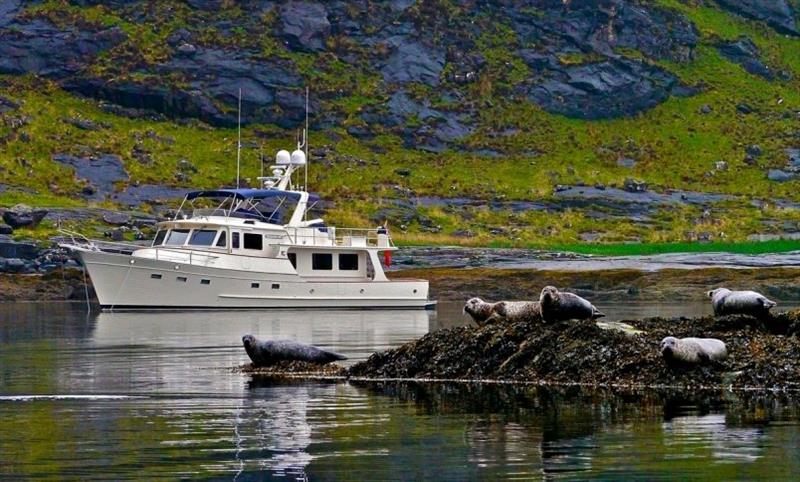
x=727, y=302
x=559, y=306
x=693, y=351
x=485, y=313
x=479, y=310
x=263, y=353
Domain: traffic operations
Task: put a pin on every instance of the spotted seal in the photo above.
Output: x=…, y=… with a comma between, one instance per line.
x=693, y=350
x=559, y=305
x=727, y=302
x=263, y=353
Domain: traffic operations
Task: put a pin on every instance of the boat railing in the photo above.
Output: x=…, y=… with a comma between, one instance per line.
x=161, y=253
x=340, y=237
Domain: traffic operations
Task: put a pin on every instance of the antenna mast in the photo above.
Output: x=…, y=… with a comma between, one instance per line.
x=239, y=142
x=305, y=168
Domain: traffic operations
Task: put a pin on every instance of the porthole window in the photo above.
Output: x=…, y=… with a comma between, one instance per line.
x=276, y=286
x=181, y=279
x=205, y=281
x=155, y=276
x=255, y=285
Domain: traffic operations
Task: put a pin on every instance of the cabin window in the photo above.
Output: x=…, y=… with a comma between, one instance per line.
x=322, y=261
x=177, y=237
x=255, y=285
x=181, y=279
x=292, y=259
x=155, y=276
x=253, y=241
x=205, y=281
x=160, y=235
x=222, y=241
x=276, y=286
x=203, y=237
x=348, y=262
x=235, y=240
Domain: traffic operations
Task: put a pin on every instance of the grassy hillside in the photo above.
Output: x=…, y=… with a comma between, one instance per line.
x=676, y=145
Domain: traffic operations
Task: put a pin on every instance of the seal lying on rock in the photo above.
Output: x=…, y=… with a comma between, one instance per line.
x=727, y=302
x=263, y=353
x=693, y=350
x=558, y=306
x=485, y=313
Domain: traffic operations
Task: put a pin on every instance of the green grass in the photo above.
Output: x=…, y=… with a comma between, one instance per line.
x=752, y=247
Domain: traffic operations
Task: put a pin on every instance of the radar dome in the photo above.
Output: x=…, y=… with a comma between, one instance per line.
x=283, y=157
x=298, y=157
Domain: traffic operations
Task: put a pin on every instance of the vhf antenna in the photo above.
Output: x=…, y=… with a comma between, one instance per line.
x=239, y=143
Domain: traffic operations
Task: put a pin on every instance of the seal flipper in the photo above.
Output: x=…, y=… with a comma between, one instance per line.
x=597, y=313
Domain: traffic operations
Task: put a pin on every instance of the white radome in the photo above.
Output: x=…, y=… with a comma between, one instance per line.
x=298, y=158
x=283, y=157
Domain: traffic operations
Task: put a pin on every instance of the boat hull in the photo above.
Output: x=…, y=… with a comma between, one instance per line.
x=123, y=281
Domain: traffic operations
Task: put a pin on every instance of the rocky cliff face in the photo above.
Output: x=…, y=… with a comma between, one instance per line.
x=438, y=76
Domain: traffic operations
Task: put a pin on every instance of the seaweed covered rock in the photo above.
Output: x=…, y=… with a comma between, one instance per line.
x=763, y=353
x=293, y=368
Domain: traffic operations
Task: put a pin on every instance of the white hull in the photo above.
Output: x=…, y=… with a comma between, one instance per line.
x=125, y=282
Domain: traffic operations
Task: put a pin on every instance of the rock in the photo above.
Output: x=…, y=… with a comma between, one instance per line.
x=745, y=53
x=115, y=235
x=7, y=105
x=754, y=150
x=412, y=61
x=117, y=219
x=102, y=172
x=721, y=166
x=794, y=157
x=16, y=265
x=85, y=124
x=778, y=175
x=634, y=185
x=187, y=49
x=12, y=249
x=705, y=109
x=602, y=90
x=304, y=25
x=21, y=216
x=185, y=166
x=777, y=13
x=41, y=48
x=626, y=162
x=6, y=229
x=744, y=108
x=403, y=172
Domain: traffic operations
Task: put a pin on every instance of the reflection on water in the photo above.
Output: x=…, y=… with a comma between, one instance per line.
x=152, y=395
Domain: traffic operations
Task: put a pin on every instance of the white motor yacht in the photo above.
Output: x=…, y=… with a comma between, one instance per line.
x=250, y=248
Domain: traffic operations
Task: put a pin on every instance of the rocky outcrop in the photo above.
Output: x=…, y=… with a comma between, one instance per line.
x=101, y=172
x=779, y=14
x=41, y=48
x=305, y=25
x=612, y=88
x=22, y=216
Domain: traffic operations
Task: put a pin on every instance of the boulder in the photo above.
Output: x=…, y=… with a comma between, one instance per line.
x=304, y=25
x=12, y=249
x=745, y=53
x=117, y=219
x=22, y=216
x=634, y=185
x=414, y=61
x=602, y=90
x=6, y=229
x=778, y=175
x=777, y=14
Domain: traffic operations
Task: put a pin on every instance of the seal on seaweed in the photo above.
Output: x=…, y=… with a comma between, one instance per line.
x=479, y=310
x=559, y=305
x=727, y=302
x=693, y=350
x=263, y=353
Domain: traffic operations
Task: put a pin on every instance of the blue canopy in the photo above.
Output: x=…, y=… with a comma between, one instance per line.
x=248, y=193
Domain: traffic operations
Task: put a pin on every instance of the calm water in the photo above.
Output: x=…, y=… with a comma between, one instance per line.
x=152, y=396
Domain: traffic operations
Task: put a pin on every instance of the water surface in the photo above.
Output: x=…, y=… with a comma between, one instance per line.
x=153, y=396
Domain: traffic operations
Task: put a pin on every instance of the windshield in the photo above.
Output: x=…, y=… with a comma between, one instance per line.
x=203, y=237
x=177, y=237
